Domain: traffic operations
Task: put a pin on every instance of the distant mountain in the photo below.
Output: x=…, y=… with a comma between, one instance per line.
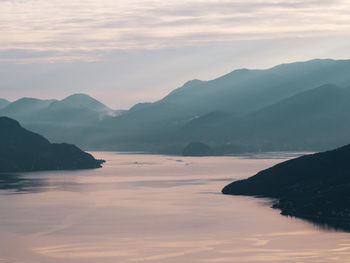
x=244, y=90
x=197, y=149
x=78, y=107
x=22, y=150
x=3, y=103
x=24, y=108
x=59, y=119
x=315, y=187
x=315, y=119
x=220, y=112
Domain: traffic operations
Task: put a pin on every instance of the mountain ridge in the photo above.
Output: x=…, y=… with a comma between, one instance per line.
x=239, y=93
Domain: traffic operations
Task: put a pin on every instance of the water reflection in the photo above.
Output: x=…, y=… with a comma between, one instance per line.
x=19, y=184
x=11, y=183
x=272, y=155
x=25, y=183
x=329, y=224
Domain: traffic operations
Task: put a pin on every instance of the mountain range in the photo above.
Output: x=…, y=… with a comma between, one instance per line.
x=241, y=111
x=296, y=106
x=56, y=119
x=77, y=107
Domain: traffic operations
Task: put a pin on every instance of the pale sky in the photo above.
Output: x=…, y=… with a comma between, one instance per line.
x=124, y=52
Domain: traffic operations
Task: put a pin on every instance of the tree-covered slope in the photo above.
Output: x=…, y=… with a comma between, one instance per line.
x=22, y=150
x=315, y=187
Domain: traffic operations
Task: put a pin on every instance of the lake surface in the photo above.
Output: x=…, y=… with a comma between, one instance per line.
x=152, y=208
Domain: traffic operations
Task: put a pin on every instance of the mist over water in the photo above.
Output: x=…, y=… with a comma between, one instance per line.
x=153, y=208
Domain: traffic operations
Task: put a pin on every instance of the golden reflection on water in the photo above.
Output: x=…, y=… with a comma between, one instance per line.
x=148, y=208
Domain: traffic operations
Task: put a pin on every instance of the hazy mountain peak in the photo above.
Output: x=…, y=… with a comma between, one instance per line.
x=31, y=100
x=25, y=105
x=79, y=95
x=79, y=100
x=79, y=107
x=192, y=83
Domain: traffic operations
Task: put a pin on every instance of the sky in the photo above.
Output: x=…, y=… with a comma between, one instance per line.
x=124, y=52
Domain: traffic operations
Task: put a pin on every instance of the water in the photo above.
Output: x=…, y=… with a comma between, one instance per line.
x=149, y=208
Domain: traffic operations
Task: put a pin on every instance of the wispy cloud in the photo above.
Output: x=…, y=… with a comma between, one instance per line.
x=144, y=24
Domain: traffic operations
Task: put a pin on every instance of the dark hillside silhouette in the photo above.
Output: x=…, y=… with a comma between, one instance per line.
x=22, y=150
x=315, y=187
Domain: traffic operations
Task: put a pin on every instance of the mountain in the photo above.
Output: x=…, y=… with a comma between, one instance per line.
x=186, y=114
x=24, y=108
x=22, y=150
x=77, y=107
x=197, y=149
x=244, y=90
x=315, y=119
x=315, y=187
x=4, y=103
x=59, y=119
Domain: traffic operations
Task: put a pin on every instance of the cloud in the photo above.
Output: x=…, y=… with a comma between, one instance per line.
x=143, y=24
x=27, y=56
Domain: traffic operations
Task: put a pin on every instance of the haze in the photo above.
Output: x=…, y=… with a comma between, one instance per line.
x=124, y=52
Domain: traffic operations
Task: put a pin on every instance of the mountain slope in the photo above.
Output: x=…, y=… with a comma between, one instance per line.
x=316, y=117
x=312, y=120
x=3, y=103
x=315, y=187
x=244, y=90
x=22, y=150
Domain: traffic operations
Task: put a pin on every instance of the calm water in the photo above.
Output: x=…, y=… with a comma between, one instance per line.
x=149, y=208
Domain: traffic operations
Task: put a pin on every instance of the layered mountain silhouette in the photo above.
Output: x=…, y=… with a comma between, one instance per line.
x=77, y=107
x=25, y=108
x=315, y=187
x=59, y=119
x=297, y=106
x=22, y=150
x=241, y=111
x=311, y=120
